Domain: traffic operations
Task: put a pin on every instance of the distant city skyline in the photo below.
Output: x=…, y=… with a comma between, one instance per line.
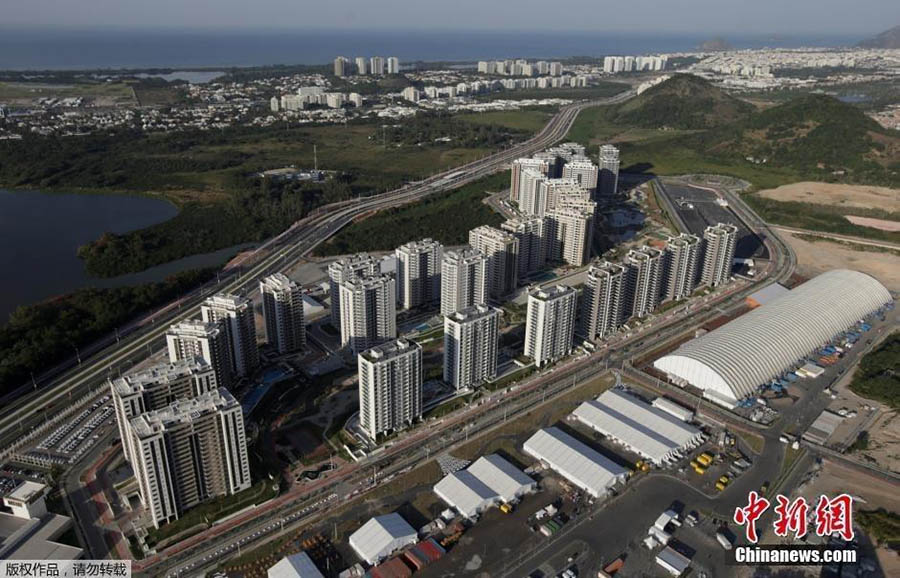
x=700, y=16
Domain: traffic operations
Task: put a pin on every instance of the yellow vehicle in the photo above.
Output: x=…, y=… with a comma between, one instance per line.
x=506, y=508
x=720, y=486
x=695, y=464
x=724, y=480
x=705, y=459
x=641, y=466
x=700, y=470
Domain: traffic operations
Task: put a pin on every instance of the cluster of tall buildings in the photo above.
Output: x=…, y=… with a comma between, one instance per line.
x=557, y=192
x=181, y=429
x=614, y=64
x=647, y=276
x=307, y=95
x=362, y=66
x=520, y=67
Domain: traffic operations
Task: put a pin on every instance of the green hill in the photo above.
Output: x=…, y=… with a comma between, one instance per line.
x=684, y=101
x=813, y=135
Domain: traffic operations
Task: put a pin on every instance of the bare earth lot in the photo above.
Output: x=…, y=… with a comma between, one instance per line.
x=820, y=256
x=880, y=224
x=856, y=196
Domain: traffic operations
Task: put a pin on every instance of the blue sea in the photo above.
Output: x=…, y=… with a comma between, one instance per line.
x=185, y=49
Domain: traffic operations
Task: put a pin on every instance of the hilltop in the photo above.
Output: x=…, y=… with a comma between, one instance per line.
x=887, y=39
x=812, y=135
x=684, y=101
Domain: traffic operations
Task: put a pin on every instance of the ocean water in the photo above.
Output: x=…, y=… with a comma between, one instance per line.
x=184, y=49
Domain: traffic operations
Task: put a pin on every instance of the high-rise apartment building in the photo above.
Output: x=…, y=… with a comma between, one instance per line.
x=368, y=311
x=282, y=301
x=197, y=339
x=602, y=300
x=236, y=314
x=583, y=171
x=471, y=346
x=719, y=242
x=189, y=452
x=343, y=270
x=376, y=65
x=393, y=65
x=609, y=170
x=531, y=233
x=464, y=279
x=550, y=323
x=643, y=270
x=551, y=191
x=502, y=251
x=155, y=388
x=419, y=273
x=341, y=66
x=569, y=234
x=390, y=386
x=530, y=200
x=556, y=69
x=682, y=261
x=542, y=166
x=362, y=65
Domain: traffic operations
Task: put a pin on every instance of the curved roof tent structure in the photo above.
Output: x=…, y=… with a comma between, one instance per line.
x=730, y=362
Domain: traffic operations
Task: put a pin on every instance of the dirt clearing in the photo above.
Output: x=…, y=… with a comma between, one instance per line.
x=851, y=196
x=880, y=224
x=820, y=256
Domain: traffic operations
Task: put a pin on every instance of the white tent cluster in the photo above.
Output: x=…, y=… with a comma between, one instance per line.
x=583, y=466
x=381, y=536
x=298, y=565
x=642, y=428
x=488, y=481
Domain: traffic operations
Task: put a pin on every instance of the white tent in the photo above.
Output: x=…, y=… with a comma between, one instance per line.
x=647, y=430
x=578, y=463
x=381, y=536
x=466, y=493
x=295, y=566
x=508, y=481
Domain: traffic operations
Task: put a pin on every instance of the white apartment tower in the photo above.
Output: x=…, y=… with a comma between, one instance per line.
x=542, y=166
x=282, y=301
x=719, y=242
x=419, y=273
x=550, y=323
x=197, y=339
x=644, y=268
x=530, y=200
x=189, y=452
x=583, y=171
x=393, y=65
x=362, y=65
x=342, y=271
x=602, y=300
x=463, y=280
x=155, y=388
x=531, y=233
x=390, y=386
x=341, y=66
x=682, y=261
x=236, y=314
x=368, y=311
x=609, y=170
x=376, y=65
x=471, y=346
x=569, y=234
x=502, y=251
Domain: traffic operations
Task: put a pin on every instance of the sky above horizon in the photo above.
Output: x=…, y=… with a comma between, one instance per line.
x=704, y=17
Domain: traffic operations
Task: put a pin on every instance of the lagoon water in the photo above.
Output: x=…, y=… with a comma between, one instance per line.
x=41, y=232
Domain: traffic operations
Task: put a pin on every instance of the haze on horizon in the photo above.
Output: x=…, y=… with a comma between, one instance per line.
x=700, y=17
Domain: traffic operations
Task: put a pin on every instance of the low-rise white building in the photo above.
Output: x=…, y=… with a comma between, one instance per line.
x=381, y=536
x=580, y=464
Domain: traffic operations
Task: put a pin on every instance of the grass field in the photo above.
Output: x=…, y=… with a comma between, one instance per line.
x=530, y=119
x=603, y=90
x=21, y=91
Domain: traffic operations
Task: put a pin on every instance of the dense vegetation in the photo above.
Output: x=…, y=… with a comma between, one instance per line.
x=441, y=127
x=37, y=337
x=259, y=210
x=684, y=101
x=446, y=218
x=882, y=526
x=878, y=374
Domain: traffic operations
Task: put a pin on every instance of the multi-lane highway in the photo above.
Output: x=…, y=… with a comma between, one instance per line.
x=116, y=353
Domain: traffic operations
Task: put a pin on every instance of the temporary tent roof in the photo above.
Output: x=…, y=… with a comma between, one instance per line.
x=295, y=566
x=508, y=481
x=489, y=480
x=580, y=464
x=381, y=536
